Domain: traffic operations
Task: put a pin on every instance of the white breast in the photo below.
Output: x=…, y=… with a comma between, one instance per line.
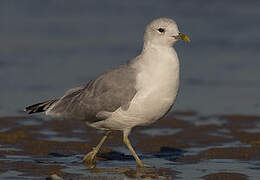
x=157, y=85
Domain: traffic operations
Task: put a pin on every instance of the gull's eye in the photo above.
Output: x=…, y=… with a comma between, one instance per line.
x=161, y=30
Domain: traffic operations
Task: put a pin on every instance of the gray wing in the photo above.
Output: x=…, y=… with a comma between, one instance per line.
x=111, y=90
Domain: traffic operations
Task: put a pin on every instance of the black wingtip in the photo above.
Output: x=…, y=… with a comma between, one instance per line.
x=39, y=107
x=28, y=110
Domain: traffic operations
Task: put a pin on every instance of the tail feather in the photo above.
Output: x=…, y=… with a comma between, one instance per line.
x=40, y=107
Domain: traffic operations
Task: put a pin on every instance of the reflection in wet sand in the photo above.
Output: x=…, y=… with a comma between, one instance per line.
x=143, y=173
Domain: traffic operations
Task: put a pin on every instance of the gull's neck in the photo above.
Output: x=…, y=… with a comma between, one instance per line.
x=158, y=52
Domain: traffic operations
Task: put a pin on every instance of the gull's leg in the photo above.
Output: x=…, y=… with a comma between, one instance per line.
x=90, y=158
x=129, y=146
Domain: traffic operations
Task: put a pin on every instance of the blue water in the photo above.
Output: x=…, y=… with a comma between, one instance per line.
x=49, y=46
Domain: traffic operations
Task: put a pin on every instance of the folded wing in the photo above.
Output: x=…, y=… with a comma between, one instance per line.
x=108, y=92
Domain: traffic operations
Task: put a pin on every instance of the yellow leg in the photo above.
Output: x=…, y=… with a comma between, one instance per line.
x=90, y=158
x=137, y=159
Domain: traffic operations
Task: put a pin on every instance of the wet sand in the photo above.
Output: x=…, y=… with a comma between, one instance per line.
x=183, y=145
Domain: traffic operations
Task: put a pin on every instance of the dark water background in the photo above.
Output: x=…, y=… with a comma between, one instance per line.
x=47, y=47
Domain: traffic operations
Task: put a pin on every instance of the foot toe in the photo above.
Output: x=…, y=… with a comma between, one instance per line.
x=90, y=160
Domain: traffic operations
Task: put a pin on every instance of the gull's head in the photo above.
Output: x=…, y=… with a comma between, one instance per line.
x=163, y=32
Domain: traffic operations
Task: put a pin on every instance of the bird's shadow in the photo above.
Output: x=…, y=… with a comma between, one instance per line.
x=140, y=173
x=167, y=153
x=156, y=171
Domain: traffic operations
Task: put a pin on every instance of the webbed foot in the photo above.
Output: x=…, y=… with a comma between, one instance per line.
x=90, y=159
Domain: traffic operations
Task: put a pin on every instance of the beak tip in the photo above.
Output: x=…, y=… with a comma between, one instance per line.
x=183, y=37
x=186, y=38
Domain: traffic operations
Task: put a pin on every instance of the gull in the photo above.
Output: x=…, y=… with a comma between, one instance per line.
x=136, y=93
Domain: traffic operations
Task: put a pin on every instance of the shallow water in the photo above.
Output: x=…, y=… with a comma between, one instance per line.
x=49, y=46
x=174, y=148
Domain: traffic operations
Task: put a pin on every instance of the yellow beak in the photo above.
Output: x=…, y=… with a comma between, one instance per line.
x=183, y=37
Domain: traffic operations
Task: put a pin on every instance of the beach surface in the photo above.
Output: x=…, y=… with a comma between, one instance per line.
x=183, y=145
